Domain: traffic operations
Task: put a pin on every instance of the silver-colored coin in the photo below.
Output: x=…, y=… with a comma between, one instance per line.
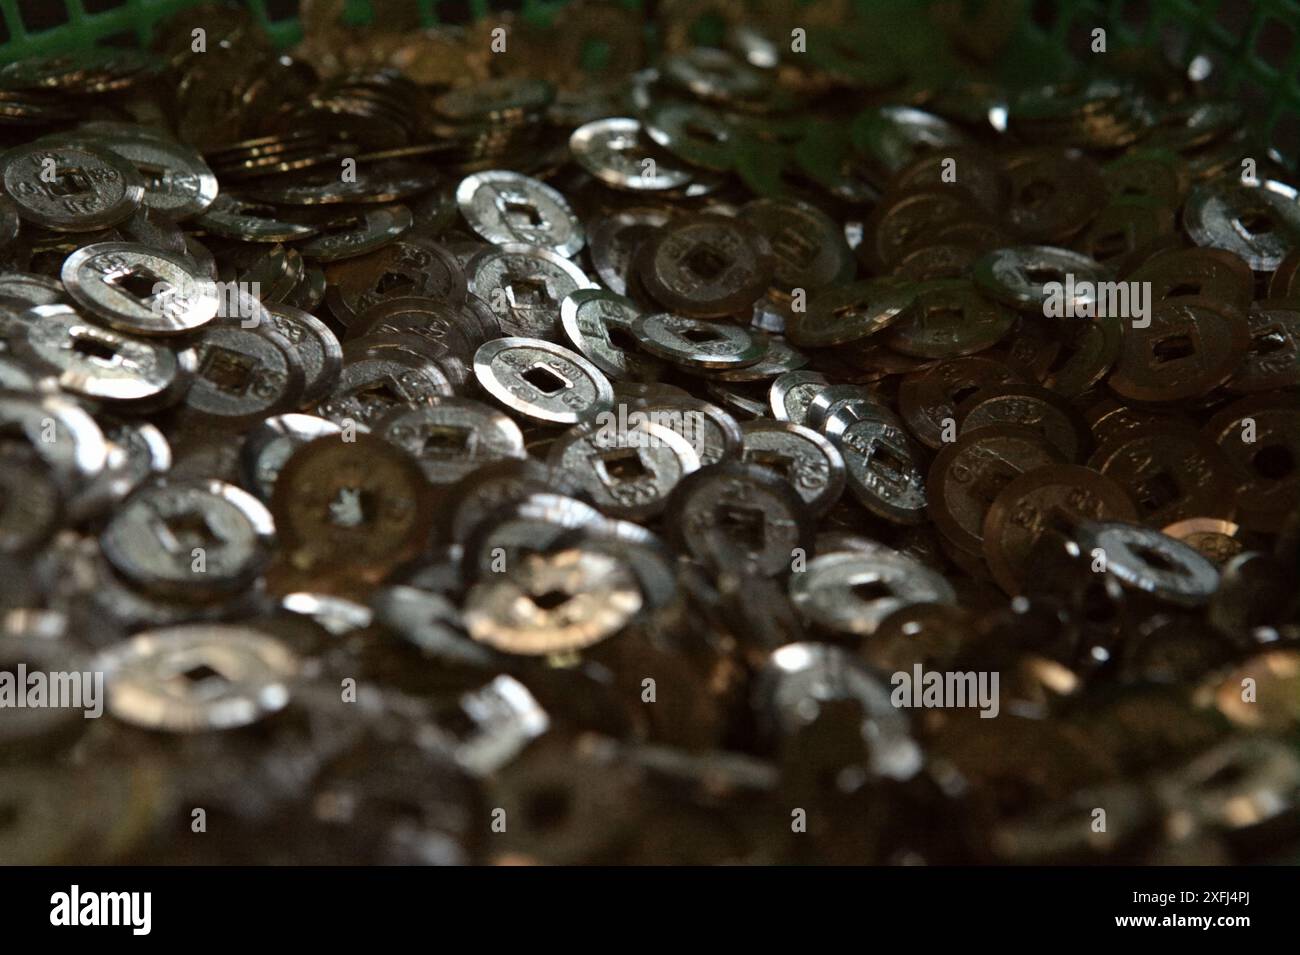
x=15, y=376
x=882, y=462
x=711, y=431
x=178, y=184
x=694, y=134
x=384, y=181
x=32, y=289
x=244, y=373
x=64, y=435
x=69, y=187
x=526, y=521
x=197, y=678
x=828, y=592
x=507, y=612
x=542, y=380
x=592, y=319
x=800, y=679
x=451, y=437
x=695, y=343
x=509, y=208
x=374, y=384
x=233, y=218
x=1145, y=559
x=31, y=504
x=1260, y=223
x=317, y=347
x=1016, y=276
x=779, y=358
x=811, y=464
x=617, y=152
x=714, y=74
x=524, y=286
x=102, y=364
x=189, y=539
x=353, y=235
x=272, y=442
x=629, y=472
x=140, y=290
x=430, y=622
x=793, y=392
x=137, y=450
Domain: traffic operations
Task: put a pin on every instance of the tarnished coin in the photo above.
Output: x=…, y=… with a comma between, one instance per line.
x=102, y=364
x=694, y=343
x=1189, y=346
x=271, y=443
x=599, y=324
x=1024, y=277
x=617, y=151
x=853, y=591
x=1049, y=499
x=949, y=318
x=70, y=187
x=244, y=373
x=65, y=436
x=739, y=516
x=375, y=381
x=452, y=437
x=694, y=133
x=553, y=603
x=138, y=289
x=849, y=313
x=1147, y=560
x=928, y=398
x=1273, y=357
x=792, y=392
x=190, y=539
x=509, y=208
x=705, y=266
x=524, y=286
x=542, y=380
x=1172, y=473
x=968, y=475
x=197, y=678
x=712, y=432
x=247, y=221
x=1260, y=436
x=387, y=180
x=361, y=504
x=407, y=267
x=808, y=247
x=812, y=464
x=614, y=241
x=627, y=472
x=1033, y=406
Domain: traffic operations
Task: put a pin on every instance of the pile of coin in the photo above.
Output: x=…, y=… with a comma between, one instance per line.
x=450, y=449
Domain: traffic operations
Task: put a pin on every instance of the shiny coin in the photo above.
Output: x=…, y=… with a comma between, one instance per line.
x=91, y=189
x=705, y=266
x=244, y=373
x=318, y=349
x=599, y=324
x=849, y=313
x=524, y=286
x=618, y=153
x=627, y=472
x=140, y=290
x=270, y=444
x=882, y=463
x=1144, y=559
x=542, y=380
x=1260, y=222
x=197, y=678
x=852, y=592
x=1189, y=346
x=510, y=208
x=693, y=343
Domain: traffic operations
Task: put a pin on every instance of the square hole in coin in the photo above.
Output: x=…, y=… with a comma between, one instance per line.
x=705, y=262
x=745, y=525
x=522, y=213
x=544, y=380
x=353, y=507
x=1172, y=348
x=529, y=293
x=227, y=370
x=1155, y=491
x=70, y=181
x=140, y=283
x=621, y=465
x=446, y=440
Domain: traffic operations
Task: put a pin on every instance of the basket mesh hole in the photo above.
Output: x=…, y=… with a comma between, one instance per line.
x=41, y=15
x=280, y=9
x=101, y=6
x=1273, y=43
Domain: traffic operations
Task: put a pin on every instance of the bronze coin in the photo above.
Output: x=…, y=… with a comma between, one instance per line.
x=1273, y=358
x=1088, y=351
x=1030, y=405
x=1054, y=193
x=1204, y=272
x=950, y=318
x=1190, y=346
x=848, y=313
x=1051, y=498
x=904, y=222
x=1261, y=437
x=968, y=475
x=928, y=397
x=1171, y=471
x=706, y=266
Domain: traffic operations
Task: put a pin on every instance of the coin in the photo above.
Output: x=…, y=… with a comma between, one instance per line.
x=1189, y=346
x=452, y=437
x=505, y=207
x=811, y=464
x=704, y=266
x=524, y=286
x=70, y=187
x=141, y=290
x=850, y=313
x=617, y=151
x=542, y=380
x=694, y=343
x=599, y=324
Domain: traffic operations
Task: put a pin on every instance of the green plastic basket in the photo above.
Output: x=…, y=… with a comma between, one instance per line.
x=1252, y=44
